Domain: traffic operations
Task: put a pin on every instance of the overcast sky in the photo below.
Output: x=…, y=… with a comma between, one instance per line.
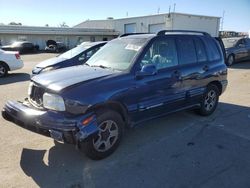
x=54, y=12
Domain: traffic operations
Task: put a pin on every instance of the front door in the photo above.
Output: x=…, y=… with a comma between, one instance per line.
x=241, y=51
x=160, y=93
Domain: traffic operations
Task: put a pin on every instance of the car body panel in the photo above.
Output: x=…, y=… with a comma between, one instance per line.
x=61, y=62
x=240, y=50
x=84, y=89
x=10, y=59
x=21, y=47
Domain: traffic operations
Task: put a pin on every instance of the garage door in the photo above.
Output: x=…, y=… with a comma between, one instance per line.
x=130, y=28
x=154, y=28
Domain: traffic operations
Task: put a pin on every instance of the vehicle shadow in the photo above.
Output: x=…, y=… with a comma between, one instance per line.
x=180, y=150
x=241, y=65
x=14, y=77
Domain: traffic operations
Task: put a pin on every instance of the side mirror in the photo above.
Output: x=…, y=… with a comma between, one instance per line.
x=241, y=45
x=147, y=70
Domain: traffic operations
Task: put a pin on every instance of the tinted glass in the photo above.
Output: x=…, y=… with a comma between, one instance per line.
x=27, y=45
x=200, y=50
x=162, y=54
x=186, y=50
x=76, y=51
x=229, y=42
x=247, y=42
x=212, y=49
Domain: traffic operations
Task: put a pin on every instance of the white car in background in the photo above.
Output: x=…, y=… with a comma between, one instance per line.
x=9, y=61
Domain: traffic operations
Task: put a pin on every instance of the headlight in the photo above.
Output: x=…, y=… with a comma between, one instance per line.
x=53, y=102
x=48, y=69
x=36, y=70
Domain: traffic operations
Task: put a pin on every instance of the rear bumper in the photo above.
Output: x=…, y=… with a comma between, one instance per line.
x=50, y=123
x=15, y=65
x=224, y=84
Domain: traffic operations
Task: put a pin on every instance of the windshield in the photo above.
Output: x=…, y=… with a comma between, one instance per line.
x=228, y=43
x=75, y=51
x=117, y=54
x=16, y=44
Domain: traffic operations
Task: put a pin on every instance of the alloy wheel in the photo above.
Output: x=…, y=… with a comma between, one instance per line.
x=107, y=136
x=210, y=100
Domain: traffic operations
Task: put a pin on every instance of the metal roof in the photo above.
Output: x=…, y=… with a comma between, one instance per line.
x=7, y=29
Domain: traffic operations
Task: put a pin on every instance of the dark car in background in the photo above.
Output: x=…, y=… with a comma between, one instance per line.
x=22, y=47
x=130, y=80
x=55, y=47
x=76, y=56
x=237, y=49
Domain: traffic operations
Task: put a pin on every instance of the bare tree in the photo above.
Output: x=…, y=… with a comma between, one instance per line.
x=63, y=24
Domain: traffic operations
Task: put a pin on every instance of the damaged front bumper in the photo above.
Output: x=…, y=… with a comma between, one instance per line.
x=50, y=123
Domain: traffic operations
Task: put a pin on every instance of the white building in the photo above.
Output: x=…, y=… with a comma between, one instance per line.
x=39, y=35
x=155, y=23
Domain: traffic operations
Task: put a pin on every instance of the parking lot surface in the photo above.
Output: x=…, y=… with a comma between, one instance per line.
x=179, y=150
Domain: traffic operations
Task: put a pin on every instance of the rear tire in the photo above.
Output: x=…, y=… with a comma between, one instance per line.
x=3, y=70
x=111, y=128
x=209, y=101
x=230, y=60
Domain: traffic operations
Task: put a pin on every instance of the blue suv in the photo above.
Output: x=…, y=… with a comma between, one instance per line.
x=130, y=80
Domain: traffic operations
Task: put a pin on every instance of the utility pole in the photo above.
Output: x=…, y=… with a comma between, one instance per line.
x=174, y=7
x=222, y=20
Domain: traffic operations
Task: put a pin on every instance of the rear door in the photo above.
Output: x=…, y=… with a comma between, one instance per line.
x=194, y=64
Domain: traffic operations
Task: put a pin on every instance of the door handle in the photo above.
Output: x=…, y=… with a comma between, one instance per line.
x=206, y=68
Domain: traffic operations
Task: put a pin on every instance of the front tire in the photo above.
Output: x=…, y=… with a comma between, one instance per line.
x=111, y=127
x=3, y=70
x=209, y=101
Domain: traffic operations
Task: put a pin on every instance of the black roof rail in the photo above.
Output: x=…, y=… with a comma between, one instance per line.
x=163, y=32
x=128, y=34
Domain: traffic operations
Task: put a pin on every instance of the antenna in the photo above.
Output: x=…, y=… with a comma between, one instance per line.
x=222, y=20
x=158, y=10
x=169, y=11
x=174, y=7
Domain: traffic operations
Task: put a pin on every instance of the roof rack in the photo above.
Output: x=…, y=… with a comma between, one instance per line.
x=128, y=34
x=163, y=32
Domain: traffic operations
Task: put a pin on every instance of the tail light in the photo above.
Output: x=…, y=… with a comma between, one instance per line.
x=17, y=56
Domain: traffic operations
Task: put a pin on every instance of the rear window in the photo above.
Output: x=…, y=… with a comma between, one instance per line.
x=200, y=50
x=212, y=50
x=187, y=54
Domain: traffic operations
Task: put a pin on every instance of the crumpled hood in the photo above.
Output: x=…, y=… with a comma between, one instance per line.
x=62, y=78
x=50, y=62
x=50, y=42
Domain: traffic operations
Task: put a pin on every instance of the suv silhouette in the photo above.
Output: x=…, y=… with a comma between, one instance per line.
x=132, y=79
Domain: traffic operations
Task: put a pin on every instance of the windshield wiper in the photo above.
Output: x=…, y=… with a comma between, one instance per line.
x=101, y=66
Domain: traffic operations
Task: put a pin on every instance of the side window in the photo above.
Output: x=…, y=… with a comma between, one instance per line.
x=200, y=50
x=27, y=45
x=162, y=54
x=247, y=42
x=212, y=50
x=187, y=54
x=92, y=52
x=86, y=56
